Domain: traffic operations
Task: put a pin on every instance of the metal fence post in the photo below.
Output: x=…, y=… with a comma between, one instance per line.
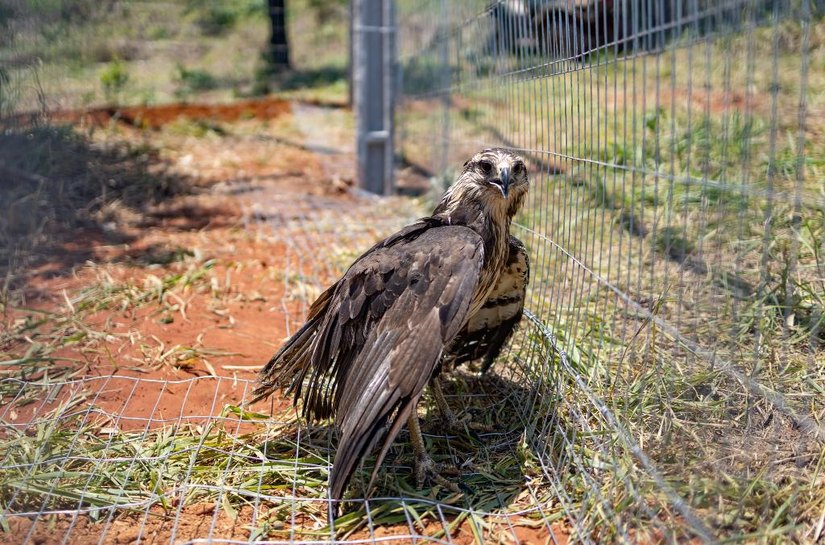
x=374, y=59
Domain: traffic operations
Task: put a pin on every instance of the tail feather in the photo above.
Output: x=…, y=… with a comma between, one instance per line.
x=359, y=432
x=288, y=364
x=371, y=397
x=354, y=448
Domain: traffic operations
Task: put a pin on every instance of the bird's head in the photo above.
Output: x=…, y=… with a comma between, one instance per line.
x=494, y=179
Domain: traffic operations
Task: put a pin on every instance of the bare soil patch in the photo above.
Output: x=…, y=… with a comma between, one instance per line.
x=157, y=116
x=146, y=290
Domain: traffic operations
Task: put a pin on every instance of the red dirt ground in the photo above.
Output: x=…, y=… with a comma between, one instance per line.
x=202, y=522
x=247, y=322
x=155, y=117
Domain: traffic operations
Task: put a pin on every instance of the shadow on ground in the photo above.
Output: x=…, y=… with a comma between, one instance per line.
x=490, y=467
x=62, y=194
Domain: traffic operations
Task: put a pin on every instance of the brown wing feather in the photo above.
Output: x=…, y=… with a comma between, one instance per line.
x=429, y=286
x=373, y=342
x=289, y=366
x=294, y=356
x=493, y=324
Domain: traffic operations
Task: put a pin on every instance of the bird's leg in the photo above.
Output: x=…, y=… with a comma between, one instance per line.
x=425, y=466
x=443, y=407
x=455, y=424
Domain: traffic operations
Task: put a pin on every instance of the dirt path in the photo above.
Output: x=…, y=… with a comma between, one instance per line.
x=160, y=313
x=148, y=326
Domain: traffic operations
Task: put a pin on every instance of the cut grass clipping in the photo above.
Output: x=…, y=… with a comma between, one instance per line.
x=78, y=458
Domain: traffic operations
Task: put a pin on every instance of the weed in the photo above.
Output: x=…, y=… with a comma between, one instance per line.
x=113, y=79
x=217, y=19
x=193, y=81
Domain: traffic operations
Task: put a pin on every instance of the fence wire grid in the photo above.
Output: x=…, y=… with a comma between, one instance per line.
x=675, y=223
x=667, y=383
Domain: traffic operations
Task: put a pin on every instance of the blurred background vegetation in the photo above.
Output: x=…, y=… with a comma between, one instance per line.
x=66, y=54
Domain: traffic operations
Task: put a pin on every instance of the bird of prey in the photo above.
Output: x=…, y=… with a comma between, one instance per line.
x=446, y=290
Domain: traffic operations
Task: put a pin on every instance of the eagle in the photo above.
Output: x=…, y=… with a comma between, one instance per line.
x=445, y=290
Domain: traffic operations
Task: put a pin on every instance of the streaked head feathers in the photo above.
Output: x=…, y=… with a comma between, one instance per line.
x=495, y=178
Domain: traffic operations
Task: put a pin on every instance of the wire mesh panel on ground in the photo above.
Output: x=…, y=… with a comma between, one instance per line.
x=666, y=384
x=674, y=337
x=125, y=458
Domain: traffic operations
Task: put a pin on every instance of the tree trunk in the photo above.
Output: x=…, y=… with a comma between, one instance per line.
x=278, y=45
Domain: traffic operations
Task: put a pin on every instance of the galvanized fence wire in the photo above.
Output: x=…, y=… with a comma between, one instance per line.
x=149, y=441
x=666, y=383
x=676, y=188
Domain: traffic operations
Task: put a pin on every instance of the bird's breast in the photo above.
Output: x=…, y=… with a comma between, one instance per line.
x=490, y=273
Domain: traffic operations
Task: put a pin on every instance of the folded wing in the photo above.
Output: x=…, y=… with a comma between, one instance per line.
x=374, y=339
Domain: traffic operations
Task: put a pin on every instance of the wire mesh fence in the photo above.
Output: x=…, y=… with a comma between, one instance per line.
x=667, y=382
x=674, y=337
x=124, y=458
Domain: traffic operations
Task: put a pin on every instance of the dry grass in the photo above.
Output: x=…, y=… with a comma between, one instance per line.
x=650, y=417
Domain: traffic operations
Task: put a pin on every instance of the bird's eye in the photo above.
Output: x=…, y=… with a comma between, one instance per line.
x=485, y=166
x=518, y=168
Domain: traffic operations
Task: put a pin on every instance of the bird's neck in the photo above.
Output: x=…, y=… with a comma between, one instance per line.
x=492, y=225
x=495, y=240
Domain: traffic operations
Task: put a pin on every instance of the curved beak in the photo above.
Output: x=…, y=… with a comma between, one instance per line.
x=504, y=175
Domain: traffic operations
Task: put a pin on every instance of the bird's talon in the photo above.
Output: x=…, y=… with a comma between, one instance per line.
x=480, y=427
x=427, y=469
x=455, y=424
x=452, y=471
x=463, y=425
x=446, y=483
